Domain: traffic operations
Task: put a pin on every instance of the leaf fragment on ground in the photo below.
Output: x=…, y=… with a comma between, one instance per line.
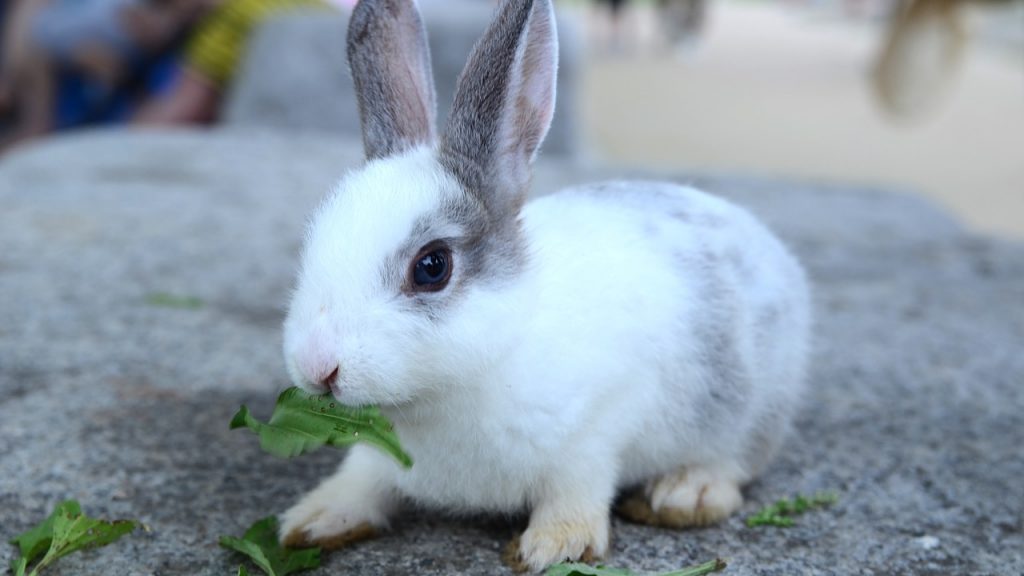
x=261, y=546
x=302, y=423
x=167, y=300
x=780, y=514
x=35, y=541
x=65, y=531
x=579, y=569
x=18, y=566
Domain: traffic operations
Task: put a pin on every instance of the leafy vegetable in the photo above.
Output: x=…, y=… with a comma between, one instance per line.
x=34, y=542
x=577, y=569
x=780, y=514
x=165, y=300
x=66, y=530
x=261, y=546
x=302, y=423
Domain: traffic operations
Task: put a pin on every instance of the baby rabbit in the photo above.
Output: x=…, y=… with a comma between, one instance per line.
x=535, y=356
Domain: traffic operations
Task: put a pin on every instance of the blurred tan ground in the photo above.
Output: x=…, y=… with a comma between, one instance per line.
x=776, y=90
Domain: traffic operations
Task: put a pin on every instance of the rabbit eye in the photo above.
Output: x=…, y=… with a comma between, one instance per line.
x=432, y=269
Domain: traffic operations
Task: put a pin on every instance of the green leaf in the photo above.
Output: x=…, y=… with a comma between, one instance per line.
x=242, y=571
x=579, y=569
x=261, y=546
x=34, y=542
x=302, y=423
x=72, y=533
x=165, y=300
x=716, y=565
x=65, y=531
x=781, y=512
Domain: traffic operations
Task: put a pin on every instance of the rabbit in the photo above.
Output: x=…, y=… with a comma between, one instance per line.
x=629, y=337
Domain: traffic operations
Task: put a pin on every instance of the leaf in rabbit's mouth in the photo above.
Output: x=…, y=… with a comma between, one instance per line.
x=303, y=423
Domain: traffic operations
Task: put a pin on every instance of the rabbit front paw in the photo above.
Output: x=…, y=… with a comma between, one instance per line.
x=353, y=504
x=331, y=523
x=552, y=540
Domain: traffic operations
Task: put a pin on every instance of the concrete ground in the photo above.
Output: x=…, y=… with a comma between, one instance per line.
x=914, y=414
x=782, y=88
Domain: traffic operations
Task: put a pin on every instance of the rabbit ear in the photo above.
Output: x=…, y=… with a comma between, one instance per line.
x=390, y=61
x=503, y=105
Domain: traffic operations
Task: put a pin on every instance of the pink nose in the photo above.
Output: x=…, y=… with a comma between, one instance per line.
x=328, y=381
x=318, y=367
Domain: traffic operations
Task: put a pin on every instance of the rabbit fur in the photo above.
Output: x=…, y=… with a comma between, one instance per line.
x=636, y=336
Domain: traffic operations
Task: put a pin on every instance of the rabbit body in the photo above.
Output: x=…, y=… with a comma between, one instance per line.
x=542, y=355
x=655, y=327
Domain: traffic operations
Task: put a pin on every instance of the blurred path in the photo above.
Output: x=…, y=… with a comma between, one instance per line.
x=782, y=91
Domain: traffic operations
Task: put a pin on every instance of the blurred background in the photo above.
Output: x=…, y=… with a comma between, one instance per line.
x=920, y=95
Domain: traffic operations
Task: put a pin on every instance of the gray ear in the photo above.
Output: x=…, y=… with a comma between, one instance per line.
x=390, y=61
x=503, y=105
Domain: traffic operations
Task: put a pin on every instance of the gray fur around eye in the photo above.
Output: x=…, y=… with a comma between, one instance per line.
x=485, y=252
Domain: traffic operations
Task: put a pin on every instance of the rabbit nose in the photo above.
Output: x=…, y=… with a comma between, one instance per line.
x=319, y=369
x=322, y=379
x=327, y=383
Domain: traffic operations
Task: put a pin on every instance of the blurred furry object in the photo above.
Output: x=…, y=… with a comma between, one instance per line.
x=920, y=55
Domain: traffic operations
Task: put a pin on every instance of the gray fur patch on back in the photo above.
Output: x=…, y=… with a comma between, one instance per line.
x=739, y=262
x=390, y=62
x=720, y=268
x=716, y=331
x=669, y=195
x=767, y=323
x=661, y=197
x=723, y=346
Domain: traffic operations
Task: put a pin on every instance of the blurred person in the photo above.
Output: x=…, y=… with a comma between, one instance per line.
x=682, y=21
x=211, y=58
x=615, y=8
x=67, y=62
x=15, y=17
x=19, y=68
x=88, y=61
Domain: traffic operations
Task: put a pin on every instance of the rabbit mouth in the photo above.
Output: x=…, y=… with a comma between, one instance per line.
x=354, y=391
x=335, y=391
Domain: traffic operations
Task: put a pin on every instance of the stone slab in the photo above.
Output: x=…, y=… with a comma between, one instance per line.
x=915, y=413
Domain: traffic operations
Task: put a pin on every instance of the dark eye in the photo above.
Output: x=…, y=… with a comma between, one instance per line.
x=432, y=269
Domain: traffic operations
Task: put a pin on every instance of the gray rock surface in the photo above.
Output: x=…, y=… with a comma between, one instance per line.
x=295, y=74
x=915, y=414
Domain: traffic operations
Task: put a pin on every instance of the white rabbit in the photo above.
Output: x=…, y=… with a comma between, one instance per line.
x=536, y=357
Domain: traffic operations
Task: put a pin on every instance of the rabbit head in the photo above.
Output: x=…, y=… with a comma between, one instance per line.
x=413, y=266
